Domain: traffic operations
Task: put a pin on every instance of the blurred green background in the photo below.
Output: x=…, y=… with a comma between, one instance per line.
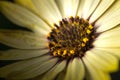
x=6, y=24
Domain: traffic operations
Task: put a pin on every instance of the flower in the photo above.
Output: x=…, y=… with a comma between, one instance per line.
x=66, y=40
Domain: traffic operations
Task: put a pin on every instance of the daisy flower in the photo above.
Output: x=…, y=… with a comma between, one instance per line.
x=65, y=40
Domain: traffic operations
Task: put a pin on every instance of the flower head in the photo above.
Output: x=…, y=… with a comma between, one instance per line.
x=65, y=40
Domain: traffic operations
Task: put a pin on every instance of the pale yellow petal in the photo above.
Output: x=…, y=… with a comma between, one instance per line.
x=103, y=6
x=110, y=22
x=33, y=70
x=22, y=39
x=50, y=75
x=68, y=7
x=89, y=7
x=109, y=38
x=61, y=75
x=48, y=11
x=115, y=6
x=102, y=60
x=23, y=65
x=110, y=18
x=28, y=4
x=23, y=17
x=109, y=42
x=16, y=54
x=80, y=8
x=110, y=33
x=75, y=70
x=93, y=73
x=113, y=51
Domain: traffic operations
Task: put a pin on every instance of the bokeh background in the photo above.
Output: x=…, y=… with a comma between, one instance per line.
x=6, y=24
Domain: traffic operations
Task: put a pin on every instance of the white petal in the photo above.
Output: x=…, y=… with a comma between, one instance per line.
x=48, y=11
x=93, y=73
x=23, y=17
x=80, y=8
x=103, y=6
x=75, y=70
x=89, y=7
x=110, y=33
x=113, y=51
x=68, y=7
x=23, y=66
x=22, y=39
x=102, y=60
x=50, y=75
x=16, y=54
x=110, y=19
x=109, y=42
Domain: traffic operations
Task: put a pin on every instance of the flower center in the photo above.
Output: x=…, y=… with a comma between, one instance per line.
x=71, y=38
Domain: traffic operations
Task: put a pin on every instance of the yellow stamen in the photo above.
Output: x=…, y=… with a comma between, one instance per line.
x=72, y=51
x=90, y=27
x=85, y=40
x=88, y=31
x=83, y=44
x=64, y=52
x=59, y=52
x=55, y=53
